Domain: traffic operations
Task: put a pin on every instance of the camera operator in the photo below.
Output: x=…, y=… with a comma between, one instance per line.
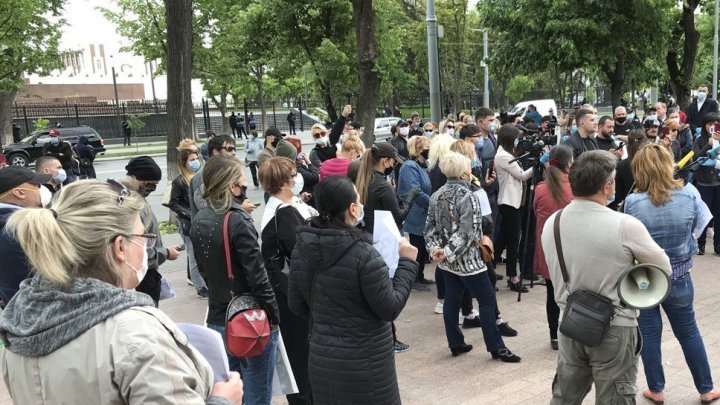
x=581, y=141
x=547, y=130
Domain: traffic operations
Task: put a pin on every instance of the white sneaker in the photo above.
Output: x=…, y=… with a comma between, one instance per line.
x=474, y=313
x=439, y=308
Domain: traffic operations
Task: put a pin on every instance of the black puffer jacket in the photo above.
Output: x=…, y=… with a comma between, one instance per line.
x=248, y=269
x=381, y=196
x=353, y=301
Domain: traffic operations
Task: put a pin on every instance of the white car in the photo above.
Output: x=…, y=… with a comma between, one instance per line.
x=382, y=127
x=543, y=107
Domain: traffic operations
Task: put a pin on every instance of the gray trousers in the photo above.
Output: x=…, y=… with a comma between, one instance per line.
x=612, y=366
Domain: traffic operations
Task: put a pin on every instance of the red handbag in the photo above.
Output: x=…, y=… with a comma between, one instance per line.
x=247, y=325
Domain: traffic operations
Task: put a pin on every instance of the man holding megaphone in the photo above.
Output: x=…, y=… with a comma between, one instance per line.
x=589, y=249
x=669, y=210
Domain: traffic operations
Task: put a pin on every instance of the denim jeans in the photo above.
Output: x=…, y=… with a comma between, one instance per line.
x=711, y=197
x=480, y=288
x=679, y=310
x=257, y=372
x=195, y=276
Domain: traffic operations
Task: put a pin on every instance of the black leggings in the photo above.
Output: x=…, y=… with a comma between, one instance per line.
x=552, y=309
x=509, y=238
x=419, y=242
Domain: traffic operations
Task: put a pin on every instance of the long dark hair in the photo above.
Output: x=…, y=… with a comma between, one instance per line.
x=712, y=117
x=332, y=197
x=560, y=158
x=507, y=134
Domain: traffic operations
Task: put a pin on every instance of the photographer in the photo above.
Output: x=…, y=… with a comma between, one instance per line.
x=511, y=177
x=580, y=141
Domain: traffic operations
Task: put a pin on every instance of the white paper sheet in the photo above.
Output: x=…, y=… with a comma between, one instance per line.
x=283, y=376
x=704, y=214
x=485, y=208
x=210, y=344
x=386, y=239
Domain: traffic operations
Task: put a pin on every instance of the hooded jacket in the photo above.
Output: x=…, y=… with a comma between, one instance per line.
x=15, y=264
x=84, y=149
x=343, y=281
x=94, y=343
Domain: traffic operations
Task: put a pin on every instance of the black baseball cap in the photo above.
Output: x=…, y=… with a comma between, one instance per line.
x=386, y=150
x=273, y=131
x=402, y=123
x=356, y=125
x=13, y=176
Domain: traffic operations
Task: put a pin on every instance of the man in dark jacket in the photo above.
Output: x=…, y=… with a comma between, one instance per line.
x=19, y=188
x=63, y=151
x=581, y=141
x=291, y=122
x=17, y=137
x=699, y=108
x=233, y=121
x=127, y=132
x=143, y=176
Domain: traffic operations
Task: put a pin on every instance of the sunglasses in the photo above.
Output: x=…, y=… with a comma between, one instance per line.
x=450, y=126
x=229, y=148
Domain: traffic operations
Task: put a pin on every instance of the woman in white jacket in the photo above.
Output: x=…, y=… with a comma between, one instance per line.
x=511, y=178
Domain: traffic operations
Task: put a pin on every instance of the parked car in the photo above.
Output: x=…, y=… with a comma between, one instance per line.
x=382, y=127
x=543, y=107
x=29, y=149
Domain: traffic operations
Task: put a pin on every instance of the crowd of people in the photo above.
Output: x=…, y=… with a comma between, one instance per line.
x=473, y=193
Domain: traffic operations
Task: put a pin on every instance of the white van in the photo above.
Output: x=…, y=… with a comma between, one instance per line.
x=543, y=107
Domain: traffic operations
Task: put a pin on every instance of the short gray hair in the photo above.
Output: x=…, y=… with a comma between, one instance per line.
x=591, y=171
x=454, y=165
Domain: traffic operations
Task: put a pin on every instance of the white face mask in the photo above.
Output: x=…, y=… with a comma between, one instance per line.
x=404, y=131
x=451, y=132
x=359, y=219
x=45, y=196
x=428, y=133
x=299, y=184
x=142, y=271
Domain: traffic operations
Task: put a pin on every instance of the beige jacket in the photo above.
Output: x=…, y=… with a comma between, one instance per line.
x=137, y=356
x=510, y=177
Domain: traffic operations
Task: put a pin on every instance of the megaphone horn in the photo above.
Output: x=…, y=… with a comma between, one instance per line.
x=643, y=286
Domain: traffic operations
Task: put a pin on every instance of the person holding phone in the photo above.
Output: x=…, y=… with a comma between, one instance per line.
x=706, y=177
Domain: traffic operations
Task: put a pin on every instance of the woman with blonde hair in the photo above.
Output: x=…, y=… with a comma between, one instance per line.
x=80, y=314
x=352, y=149
x=669, y=211
x=223, y=178
x=447, y=127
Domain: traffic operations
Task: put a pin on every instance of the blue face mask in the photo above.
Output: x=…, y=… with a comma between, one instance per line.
x=545, y=158
x=480, y=142
x=574, y=128
x=54, y=140
x=475, y=163
x=194, y=165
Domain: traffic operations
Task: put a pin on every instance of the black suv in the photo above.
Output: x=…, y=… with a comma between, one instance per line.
x=29, y=149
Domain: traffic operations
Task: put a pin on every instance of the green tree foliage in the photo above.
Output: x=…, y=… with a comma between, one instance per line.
x=518, y=86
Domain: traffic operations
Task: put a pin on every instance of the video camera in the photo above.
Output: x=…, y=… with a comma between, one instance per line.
x=530, y=145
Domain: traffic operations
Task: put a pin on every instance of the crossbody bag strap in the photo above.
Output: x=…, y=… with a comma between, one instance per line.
x=558, y=247
x=277, y=235
x=226, y=234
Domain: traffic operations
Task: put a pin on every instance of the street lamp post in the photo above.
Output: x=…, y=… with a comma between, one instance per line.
x=486, y=91
x=117, y=102
x=715, y=53
x=433, y=69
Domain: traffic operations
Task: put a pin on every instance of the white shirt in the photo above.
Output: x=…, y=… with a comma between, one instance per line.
x=274, y=203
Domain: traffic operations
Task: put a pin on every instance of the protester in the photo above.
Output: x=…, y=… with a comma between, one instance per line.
x=413, y=174
x=657, y=198
x=429, y=129
x=19, y=188
x=127, y=132
x=669, y=141
x=616, y=243
x=533, y=114
x=511, y=178
x=351, y=150
x=624, y=181
x=50, y=165
x=143, y=175
x=80, y=315
x=309, y=174
x=61, y=150
x=707, y=177
x=86, y=155
x=253, y=146
x=605, y=139
x=284, y=213
x=551, y=195
x=223, y=176
x=188, y=164
x=217, y=145
x=272, y=139
x=454, y=224
x=401, y=140
x=204, y=151
x=415, y=128
x=581, y=140
x=684, y=137
x=3, y=161
x=344, y=288
x=323, y=150
x=447, y=127
x=699, y=108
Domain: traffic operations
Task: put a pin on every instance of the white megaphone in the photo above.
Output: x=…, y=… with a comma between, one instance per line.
x=643, y=286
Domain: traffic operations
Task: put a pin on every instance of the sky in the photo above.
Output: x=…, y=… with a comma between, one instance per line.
x=85, y=24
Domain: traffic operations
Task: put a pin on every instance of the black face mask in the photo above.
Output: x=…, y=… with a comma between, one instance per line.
x=620, y=120
x=147, y=189
x=425, y=154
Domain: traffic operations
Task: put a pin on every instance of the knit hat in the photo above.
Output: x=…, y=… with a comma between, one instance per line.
x=273, y=131
x=286, y=149
x=144, y=168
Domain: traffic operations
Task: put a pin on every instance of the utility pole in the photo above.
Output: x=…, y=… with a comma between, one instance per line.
x=715, y=53
x=486, y=92
x=433, y=69
x=117, y=103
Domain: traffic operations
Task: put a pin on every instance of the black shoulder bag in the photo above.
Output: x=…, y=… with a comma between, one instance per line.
x=587, y=314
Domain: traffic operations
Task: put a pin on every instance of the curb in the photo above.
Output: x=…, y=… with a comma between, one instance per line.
x=112, y=159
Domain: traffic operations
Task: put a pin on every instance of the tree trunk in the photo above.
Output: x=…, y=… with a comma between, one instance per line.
x=6, y=105
x=327, y=99
x=616, y=77
x=368, y=79
x=224, y=108
x=681, y=72
x=178, y=16
x=261, y=95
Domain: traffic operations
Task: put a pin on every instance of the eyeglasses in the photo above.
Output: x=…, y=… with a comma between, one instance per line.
x=229, y=148
x=120, y=189
x=150, y=238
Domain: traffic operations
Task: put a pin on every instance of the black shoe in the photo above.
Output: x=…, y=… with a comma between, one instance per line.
x=517, y=286
x=420, y=287
x=471, y=323
x=701, y=250
x=499, y=276
x=505, y=355
x=426, y=281
x=456, y=351
x=203, y=293
x=400, y=347
x=554, y=344
x=506, y=330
